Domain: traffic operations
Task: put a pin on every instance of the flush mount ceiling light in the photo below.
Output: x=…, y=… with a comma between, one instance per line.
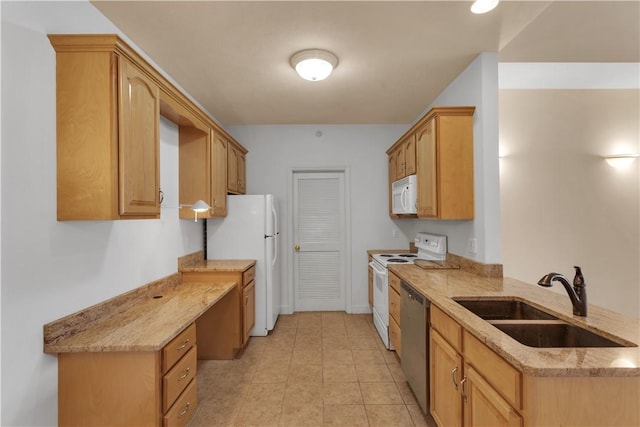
x=484, y=6
x=314, y=64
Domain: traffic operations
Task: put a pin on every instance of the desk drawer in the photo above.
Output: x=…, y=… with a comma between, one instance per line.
x=178, y=378
x=178, y=347
x=248, y=276
x=184, y=408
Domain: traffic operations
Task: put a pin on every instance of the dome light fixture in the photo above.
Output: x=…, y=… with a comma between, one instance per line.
x=314, y=64
x=620, y=160
x=483, y=6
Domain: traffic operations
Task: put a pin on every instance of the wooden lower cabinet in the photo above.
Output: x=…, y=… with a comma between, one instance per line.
x=395, y=332
x=249, y=309
x=135, y=388
x=226, y=343
x=471, y=385
x=464, y=378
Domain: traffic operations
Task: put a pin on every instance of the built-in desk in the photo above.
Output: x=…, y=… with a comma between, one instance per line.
x=131, y=360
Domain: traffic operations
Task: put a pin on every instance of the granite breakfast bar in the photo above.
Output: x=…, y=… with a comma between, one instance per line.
x=131, y=360
x=536, y=386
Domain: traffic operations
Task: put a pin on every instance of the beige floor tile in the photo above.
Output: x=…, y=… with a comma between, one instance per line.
x=345, y=416
x=309, y=414
x=389, y=356
x=287, y=321
x=388, y=415
x=300, y=393
x=406, y=393
x=267, y=394
x=276, y=356
x=305, y=374
x=373, y=373
x=308, y=342
x=363, y=343
x=339, y=374
x=380, y=394
x=335, y=342
x=367, y=357
x=271, y=373
x=420, y=419
x=306, y=357
x=397, y=373
x=209, y=415
x=341, y=394
x=258, y=415
x=336, y=357
x=334, y=329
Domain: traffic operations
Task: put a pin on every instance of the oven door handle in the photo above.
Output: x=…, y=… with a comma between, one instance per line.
x=375, y=268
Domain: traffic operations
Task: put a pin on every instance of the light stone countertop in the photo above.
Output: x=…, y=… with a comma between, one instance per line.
x=146, y=325
x=204, y=265
x=439, y=286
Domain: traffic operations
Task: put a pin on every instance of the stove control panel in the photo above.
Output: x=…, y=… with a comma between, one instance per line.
x=433, y=244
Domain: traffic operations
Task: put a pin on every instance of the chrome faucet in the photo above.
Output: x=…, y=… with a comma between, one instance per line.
x=577, y=293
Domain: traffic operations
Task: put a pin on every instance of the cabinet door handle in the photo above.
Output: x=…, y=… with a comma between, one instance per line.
x=186, y=343
x=464, y=395
x=453, y=377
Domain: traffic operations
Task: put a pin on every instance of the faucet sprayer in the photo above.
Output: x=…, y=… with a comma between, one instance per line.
x=577, y=293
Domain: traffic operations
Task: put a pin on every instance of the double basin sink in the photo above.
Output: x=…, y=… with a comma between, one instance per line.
x=534, y=327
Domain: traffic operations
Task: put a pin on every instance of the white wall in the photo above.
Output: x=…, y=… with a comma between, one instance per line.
x=476, y=86
x=275, y=150
x=562, y=204
x=49, y=268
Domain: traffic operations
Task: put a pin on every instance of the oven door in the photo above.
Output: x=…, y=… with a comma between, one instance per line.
x=381, y=301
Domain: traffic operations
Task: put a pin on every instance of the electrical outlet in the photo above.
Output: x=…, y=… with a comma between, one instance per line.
x=473, y=245
x=394, y=232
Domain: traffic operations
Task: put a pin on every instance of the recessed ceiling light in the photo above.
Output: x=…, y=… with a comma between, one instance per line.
x=484, y=6
x=314, y=64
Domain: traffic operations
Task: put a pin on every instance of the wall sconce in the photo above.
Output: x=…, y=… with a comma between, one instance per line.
x=483, y=6
x=198, y=207
x=620, y=160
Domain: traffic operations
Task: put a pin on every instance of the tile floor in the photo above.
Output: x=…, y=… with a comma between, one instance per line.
x=314, y=369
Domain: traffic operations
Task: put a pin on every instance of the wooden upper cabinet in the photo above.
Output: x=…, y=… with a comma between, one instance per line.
x=219, y=146
x=409, y=154
x=194, y=165
x=107, y=131
x=444, y=149
x=236, y=170
x=441, y=144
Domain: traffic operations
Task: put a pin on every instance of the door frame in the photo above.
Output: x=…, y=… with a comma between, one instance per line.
x=346, y=172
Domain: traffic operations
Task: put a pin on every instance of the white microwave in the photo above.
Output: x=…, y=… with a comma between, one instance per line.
x=404, y=196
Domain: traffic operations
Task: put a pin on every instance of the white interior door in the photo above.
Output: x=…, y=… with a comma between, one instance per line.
x=319, y=241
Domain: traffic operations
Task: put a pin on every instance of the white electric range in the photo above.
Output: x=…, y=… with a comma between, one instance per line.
x=431, y=247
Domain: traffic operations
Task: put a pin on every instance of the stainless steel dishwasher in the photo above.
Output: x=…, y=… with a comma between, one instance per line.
x=414, y=315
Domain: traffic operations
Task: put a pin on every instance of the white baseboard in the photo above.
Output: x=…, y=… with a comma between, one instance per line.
x=360, y=309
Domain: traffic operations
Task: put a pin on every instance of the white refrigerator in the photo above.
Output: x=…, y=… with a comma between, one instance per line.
x=250, y=231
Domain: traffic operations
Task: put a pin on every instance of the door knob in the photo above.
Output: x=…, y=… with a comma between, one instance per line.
x=296, y=247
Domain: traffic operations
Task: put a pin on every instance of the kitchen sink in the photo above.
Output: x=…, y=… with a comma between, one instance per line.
x=554, y=334
x=504, y=309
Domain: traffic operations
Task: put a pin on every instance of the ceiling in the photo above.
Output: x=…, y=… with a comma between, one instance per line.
x=395, y=57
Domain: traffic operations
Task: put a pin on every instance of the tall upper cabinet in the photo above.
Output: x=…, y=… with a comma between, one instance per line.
x=236, y=170
x=109, y=102
x=443, y=141
x=108, y=112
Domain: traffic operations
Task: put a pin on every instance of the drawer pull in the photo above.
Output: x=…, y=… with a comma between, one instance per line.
x=185, y=375
x=453, y=377
x=185, y=410
x=186, y=343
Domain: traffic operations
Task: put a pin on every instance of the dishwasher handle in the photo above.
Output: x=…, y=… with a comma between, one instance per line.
x=413, y=294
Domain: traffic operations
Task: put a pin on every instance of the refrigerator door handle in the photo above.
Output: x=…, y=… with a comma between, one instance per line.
x=275, y=220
